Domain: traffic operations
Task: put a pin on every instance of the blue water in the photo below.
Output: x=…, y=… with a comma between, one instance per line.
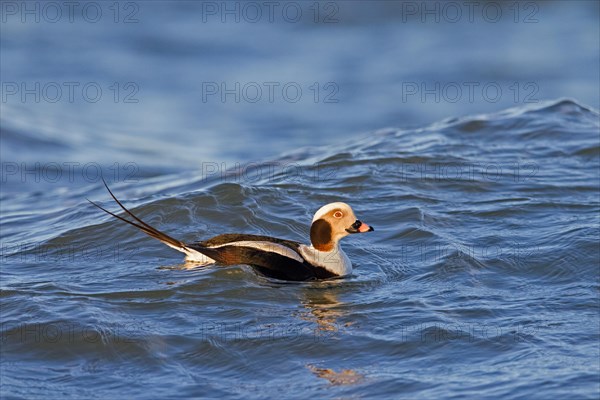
x=481, y=279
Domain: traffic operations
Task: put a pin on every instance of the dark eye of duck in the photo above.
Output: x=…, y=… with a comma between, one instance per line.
x=338, y=214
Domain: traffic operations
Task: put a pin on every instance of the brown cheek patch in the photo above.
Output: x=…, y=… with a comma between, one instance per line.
x=320, y=235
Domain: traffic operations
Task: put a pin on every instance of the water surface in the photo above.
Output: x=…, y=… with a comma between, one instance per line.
x=481, y=275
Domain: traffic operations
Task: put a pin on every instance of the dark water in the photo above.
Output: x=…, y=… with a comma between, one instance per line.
x=481, y=279
x=481, y=276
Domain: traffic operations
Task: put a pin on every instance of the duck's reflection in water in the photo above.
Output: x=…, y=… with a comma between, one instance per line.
x=324, y=309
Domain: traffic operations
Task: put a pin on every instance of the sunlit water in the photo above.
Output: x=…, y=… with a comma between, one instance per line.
x=481, y=275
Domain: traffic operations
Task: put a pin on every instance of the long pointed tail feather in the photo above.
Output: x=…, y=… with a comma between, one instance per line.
x=143, y=226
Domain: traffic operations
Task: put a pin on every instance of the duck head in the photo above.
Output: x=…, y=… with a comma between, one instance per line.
x=333, y=222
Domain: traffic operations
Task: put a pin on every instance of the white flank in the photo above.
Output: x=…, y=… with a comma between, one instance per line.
x=265, y=246
x=195, y=256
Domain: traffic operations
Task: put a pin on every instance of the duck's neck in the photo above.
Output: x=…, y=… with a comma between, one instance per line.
x=334, y=260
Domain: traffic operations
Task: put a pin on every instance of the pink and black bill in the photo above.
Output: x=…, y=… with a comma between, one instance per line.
x=359, y=227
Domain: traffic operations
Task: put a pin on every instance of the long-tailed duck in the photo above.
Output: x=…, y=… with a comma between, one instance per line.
x=276, y=258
